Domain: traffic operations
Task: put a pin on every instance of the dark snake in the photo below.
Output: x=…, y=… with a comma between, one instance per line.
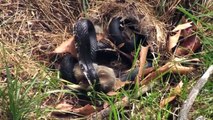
x=87, y=47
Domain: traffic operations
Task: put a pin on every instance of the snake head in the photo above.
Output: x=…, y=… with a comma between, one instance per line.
x=115, y=29
x=124, y=33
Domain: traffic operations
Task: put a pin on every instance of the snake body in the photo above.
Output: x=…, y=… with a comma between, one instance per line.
x=86, y=45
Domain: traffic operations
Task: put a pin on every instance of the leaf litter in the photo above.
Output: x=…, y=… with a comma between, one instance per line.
x=146, y=76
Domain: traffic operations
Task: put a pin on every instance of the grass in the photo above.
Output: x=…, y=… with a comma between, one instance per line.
x=16, y=96
x=202, y=105
x=22, y=98
x=29, y=90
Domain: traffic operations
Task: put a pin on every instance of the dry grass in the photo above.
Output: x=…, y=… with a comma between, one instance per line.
x=140, y=11
x=31, y=29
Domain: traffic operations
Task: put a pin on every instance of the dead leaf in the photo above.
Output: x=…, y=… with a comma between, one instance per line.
x=166, y=101
x=181, y=69
x=67, y=47
x=170, y=66
x=106, y=105
x=177, y=89
x=86, y=110
x=184, y=60
x=148, y=70
x=187, y=32
x=63, y=110
x=184, y=20
x=64, y=107
x=112, y=93
x=119, y=84
x=76, y=87
x=173, y=40
x=190, y=45
x=182, y=26
x=143, y=54
x=156, y=73
x=173, y=94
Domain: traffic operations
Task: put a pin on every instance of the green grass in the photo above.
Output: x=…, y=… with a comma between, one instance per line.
x=16, y=96
x=147, y=107
x=203, y=103
x=22, y=98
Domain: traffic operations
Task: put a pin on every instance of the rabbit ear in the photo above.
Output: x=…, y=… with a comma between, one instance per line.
x=67, y=47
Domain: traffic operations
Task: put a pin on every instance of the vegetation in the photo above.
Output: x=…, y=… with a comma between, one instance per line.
x=30, y=89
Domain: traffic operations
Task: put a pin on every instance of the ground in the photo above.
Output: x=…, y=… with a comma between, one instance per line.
x=30, y=89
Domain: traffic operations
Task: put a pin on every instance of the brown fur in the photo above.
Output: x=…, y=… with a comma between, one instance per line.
x=106, y=77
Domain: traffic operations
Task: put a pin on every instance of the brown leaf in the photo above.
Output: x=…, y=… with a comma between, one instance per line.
x=177, y=89
x=173, y=40
x=187, y=32
x=156, y=73
x=119, y=84
x=170, y=66
x=63, y=110
x=143, y=54
x=173, y=94
x=184, y=60
x=64, y=107
x=86, y=110
x=112, y=93
x=166, y=101
x=190, y=45
x=148, y=70
x=182, y=69
x=67, y=47
x=184, y=20
x=105, y=105
x=182, y=26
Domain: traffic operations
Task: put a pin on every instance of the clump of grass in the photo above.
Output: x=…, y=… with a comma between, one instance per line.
x=22, y=94
x=29, y=31
x=200, y=14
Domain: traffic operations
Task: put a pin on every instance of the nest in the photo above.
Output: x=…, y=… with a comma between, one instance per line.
x=100, y=12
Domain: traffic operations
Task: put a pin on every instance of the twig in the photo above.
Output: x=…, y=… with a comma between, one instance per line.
x=193, y=94
x=156, y=73
x=103, y=114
